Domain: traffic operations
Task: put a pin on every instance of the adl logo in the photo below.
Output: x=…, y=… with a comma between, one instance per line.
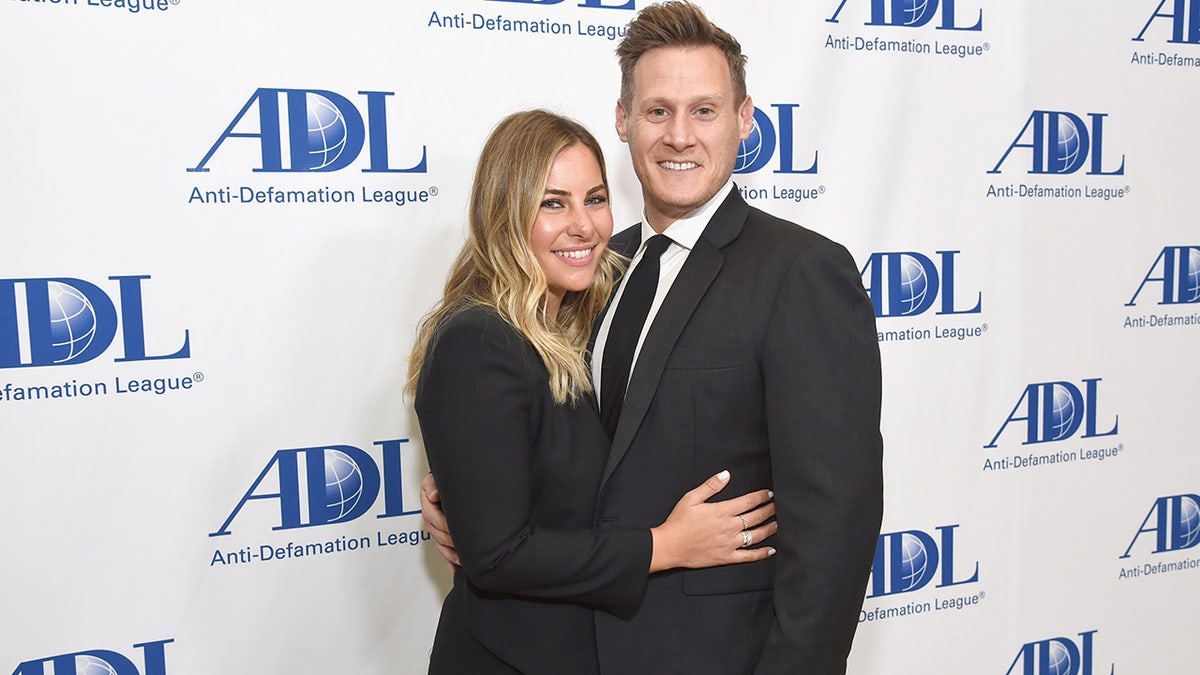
x=1179, y=270
x=1060, y=143
x=69, y=321
x=1054, y=411
x=759, y=147
x=1176, y=524
x=100, y=661
x=1184, y=18
x=324, y=132
x=907, y=283
x=1056, y=656
x=912, y=14
x=339, y=483
x=907, y=561
x=599, y=4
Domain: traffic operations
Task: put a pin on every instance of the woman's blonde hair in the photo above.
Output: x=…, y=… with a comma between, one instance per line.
x=496, y=267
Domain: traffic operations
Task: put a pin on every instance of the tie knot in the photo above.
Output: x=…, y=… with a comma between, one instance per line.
x=656, y=245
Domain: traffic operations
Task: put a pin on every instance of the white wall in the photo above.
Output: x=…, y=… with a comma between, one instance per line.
x=279, y=330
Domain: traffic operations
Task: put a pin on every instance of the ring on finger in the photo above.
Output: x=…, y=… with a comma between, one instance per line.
x=744, y=525
x=747, y=538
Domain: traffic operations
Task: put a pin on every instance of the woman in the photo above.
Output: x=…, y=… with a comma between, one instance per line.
x=510, y=426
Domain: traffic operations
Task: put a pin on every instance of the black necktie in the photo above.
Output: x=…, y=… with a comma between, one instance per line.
x=625, y=329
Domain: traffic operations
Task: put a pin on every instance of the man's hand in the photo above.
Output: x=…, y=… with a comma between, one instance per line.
x=435, y=520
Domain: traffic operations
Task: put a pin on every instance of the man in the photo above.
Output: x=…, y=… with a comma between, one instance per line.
x=759, y=355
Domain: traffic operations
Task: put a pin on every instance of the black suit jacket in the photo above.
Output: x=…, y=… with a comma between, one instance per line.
x=762, y=360
x=518, y=476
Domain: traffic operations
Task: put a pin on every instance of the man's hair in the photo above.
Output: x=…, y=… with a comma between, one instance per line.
x=497, y=268
x=677, y=24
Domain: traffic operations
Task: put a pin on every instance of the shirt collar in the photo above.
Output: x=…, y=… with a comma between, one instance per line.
x=687, y=230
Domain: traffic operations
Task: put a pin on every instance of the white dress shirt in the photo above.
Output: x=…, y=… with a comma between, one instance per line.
x=684, y=233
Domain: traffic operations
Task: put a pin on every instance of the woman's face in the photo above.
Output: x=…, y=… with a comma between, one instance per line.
x=573, y=224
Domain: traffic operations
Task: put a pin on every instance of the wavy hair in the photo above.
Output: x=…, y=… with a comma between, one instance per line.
x=677, y=24
x=496, y=267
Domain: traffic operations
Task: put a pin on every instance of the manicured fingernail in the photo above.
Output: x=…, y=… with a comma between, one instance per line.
x=771, y=494
x=723, y=476
x=770, y=552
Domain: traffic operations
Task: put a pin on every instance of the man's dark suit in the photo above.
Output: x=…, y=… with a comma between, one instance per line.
x=762, y=360
x=518, y=474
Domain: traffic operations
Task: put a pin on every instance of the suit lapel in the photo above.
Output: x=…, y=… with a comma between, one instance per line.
x=701, y=267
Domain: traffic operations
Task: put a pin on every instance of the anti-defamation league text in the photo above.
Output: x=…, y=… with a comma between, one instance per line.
x=959, y=602
x=499, y=23
x=1030, y=460
x=1156, y=568
x=71, y=389
x=1162, y=320
x=130, y=6
x=1036, y=191
x=322, y=195
x=855, y=43
x=249, y=555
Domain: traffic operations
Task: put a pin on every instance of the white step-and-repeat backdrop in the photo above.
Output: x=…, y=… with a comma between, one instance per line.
x=221, y=221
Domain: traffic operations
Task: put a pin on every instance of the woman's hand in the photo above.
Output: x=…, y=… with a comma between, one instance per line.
x=435, y=520
x=699, y=533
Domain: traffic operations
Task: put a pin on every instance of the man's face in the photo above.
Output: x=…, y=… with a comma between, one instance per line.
x=683, y=127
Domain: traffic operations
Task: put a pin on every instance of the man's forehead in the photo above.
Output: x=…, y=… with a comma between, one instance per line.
x=713, y=80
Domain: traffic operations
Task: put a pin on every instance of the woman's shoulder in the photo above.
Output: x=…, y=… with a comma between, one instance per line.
x=475, y=318
x=477, y=327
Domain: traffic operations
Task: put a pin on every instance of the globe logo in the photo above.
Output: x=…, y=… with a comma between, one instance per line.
x=914, y=562
x=1068, y=145
x=1188, y=527
x=72, y=322
x=914, y=12
x=1060, y=662
x=90, y=665
x=343, y=483
x=1062, y=413
x=914, y=285
x=750, y=149
x=326, y=132
x=1193, y=276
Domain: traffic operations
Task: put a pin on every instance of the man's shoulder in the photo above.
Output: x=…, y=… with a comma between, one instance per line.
x=743, y=225
x=625, y=242
x=781, y=235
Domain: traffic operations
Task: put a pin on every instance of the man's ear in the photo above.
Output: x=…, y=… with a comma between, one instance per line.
x=622, y=117
x=746, y=115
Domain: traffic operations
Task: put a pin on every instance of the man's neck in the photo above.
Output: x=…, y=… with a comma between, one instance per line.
x=659, y=222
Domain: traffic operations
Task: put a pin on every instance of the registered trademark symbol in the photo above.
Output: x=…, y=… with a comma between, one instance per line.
x=197, y=376
x=1121, y=447
x=982, y=594
x=1127, y=188
x=174, y=2
x=820, y=189
x=433, y=190
x=987, y=46
x=984, y=327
